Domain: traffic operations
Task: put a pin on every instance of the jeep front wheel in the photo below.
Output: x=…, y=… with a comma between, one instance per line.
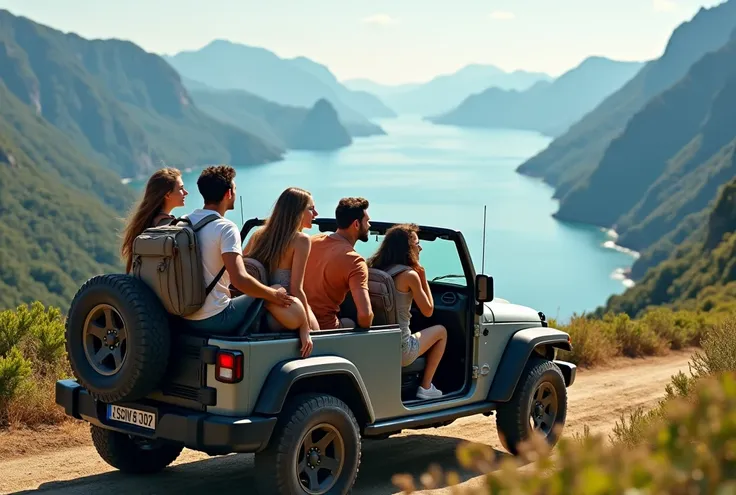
x=315, y=449
x=539, y=405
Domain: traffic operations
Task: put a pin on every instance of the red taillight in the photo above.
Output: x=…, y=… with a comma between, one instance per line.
x=229, y=366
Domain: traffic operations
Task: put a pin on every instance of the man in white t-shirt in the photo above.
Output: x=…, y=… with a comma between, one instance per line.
x=220, y=244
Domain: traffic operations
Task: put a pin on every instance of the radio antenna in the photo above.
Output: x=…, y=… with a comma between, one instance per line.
x=483, y=262
x=242, y=220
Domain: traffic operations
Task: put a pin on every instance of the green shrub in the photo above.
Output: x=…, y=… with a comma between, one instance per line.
x=14, y=370
x=592, y=340
x=31, y=360
x=597, y=339
x=635, y=338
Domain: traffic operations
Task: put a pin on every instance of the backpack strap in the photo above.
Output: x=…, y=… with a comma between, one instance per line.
x=394, y=270
x=214, y=282
x=196, y=228
x=199, y=225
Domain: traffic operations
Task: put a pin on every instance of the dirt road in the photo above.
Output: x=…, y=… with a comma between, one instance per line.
x=596, y=399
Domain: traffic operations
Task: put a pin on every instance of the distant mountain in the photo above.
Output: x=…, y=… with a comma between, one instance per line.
x=668, y=163
x=568, y=161
x=59, y=211
x=116, y=102
x=547, y=107
x=700, y=274
x=363, y=101
x=445, y=92
x=320, y=129
x=297, y=82
x=286, y=126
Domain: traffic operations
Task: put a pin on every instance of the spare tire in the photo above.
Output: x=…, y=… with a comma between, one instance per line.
x=117, y=338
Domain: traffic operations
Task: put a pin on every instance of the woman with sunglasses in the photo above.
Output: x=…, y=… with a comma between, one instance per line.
x=401, y=246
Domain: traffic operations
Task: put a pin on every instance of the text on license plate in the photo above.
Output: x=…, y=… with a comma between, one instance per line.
x=136, y=417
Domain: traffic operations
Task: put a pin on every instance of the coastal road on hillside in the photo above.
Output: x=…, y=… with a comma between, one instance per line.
x=596, y=399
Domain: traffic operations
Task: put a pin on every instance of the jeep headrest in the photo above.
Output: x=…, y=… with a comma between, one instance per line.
x=382, y=293
x=256, y=270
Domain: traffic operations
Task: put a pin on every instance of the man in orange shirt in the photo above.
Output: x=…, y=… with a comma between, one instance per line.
x=334, y=268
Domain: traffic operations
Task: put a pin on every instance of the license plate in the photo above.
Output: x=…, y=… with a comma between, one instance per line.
x=136, y=417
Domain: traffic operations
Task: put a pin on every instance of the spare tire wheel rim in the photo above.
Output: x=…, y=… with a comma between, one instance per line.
x=320, y=459
x=544, y=406
x=105, y=339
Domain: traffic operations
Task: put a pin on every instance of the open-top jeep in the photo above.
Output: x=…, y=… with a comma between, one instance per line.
x=149, y=387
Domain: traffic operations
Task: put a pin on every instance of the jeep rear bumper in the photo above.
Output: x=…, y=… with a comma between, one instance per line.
x=201, y=431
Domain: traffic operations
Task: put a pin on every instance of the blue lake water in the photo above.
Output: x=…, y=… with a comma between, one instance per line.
x=443, y=176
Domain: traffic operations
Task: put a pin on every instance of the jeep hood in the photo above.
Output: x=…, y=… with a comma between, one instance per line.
x=502, y=311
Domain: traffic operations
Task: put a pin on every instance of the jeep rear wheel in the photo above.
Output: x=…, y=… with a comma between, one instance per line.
x=315, y=449
x=539, y=405
x=135, y=455
x=117, y=338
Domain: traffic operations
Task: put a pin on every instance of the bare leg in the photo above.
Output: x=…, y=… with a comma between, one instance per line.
x=313, y=323
x=294, y=317
x=434, y=340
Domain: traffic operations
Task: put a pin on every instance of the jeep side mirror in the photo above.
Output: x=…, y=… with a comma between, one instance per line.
x=483, y=288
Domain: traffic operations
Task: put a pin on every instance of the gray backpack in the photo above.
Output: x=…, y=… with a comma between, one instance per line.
x=169, y=260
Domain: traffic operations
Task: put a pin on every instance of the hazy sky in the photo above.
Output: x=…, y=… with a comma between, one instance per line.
x=389, y=41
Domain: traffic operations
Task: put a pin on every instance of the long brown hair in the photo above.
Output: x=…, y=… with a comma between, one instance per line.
x=396, y=248
x=161, y=183
x=271, y=242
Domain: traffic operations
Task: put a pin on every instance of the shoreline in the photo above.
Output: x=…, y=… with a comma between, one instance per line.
x=622, y=274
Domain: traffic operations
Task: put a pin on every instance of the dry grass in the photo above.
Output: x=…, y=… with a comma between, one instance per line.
x=691, y=450
x=717, y=356
x=21, y=441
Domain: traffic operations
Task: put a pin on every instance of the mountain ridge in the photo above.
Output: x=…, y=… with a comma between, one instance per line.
x=445, y=91
x=222, y=64
x=669, y=161
x=567, y=162
x=280, y=124
x=548, y=107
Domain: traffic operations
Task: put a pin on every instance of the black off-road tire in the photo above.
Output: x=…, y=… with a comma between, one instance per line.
x=147, y=345
x=277, y=467
x=513, y=417
x=133, y=455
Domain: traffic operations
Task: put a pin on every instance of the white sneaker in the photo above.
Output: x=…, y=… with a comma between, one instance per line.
x=431, y=393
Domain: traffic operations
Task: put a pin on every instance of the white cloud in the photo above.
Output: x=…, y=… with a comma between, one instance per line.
x=502, y=15
x=380, y=19
x=664, y=5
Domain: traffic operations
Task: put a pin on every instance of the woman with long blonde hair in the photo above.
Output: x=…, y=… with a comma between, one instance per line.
x=282, y=247
x=164, y=192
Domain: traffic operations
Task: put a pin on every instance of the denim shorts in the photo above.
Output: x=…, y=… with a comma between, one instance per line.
x=409, y=351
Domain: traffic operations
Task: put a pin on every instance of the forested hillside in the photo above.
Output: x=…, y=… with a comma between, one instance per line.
x=701, y=272
x=58, y=211
x=119, y=104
